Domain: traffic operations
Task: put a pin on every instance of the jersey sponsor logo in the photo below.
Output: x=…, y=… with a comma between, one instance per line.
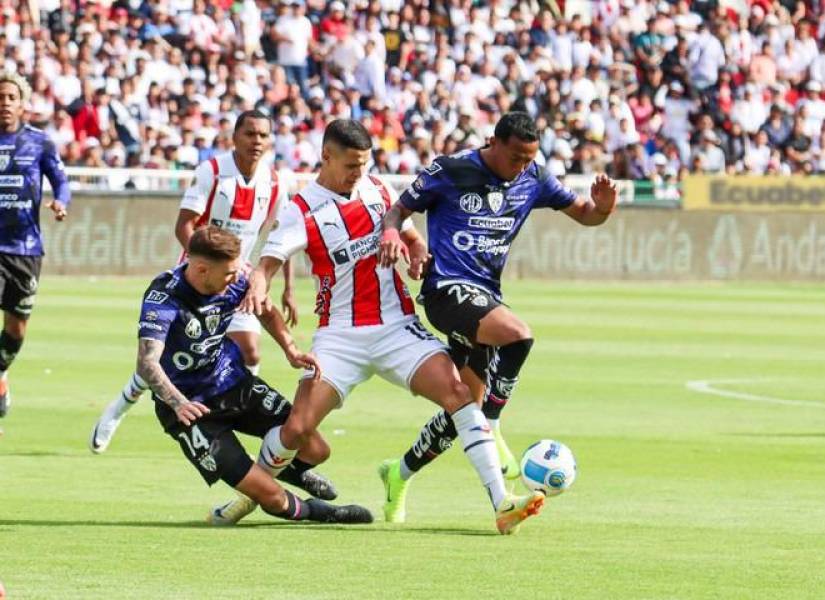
x=419, y=183
x=470, y=203
x=206, y=345
x=357, y=249
x=495, y=200
x=377, y=207
x=14, y=181
x=146, y=325
x=193, y=329
x=217, y=223
x=5, y=159
x=496, y=223
x=11, y=201
x=156, y=297
x=433, y=169
x=330, y=224
x=480, y=301
x=212, y=322
x=464, y=241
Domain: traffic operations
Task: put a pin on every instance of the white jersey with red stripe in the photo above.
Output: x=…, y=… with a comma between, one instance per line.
x=341, y=236
x=221, y=196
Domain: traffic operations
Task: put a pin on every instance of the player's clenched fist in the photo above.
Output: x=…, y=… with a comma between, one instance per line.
x=392, y=248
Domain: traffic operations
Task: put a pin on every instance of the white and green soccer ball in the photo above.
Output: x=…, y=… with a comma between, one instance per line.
x=549, y=467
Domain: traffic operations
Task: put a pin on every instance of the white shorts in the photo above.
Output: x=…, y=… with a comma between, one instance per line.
x=349, y=356
x=244, y=322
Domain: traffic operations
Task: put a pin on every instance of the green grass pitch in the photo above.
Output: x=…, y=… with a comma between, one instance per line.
x=680, y=494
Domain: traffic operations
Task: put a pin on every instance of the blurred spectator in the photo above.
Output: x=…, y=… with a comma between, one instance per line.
x=645, y=88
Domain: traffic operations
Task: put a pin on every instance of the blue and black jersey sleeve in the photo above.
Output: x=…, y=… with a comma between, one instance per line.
x=157, y=314
x=551, y=193
x=427, y=188
x=52, y=167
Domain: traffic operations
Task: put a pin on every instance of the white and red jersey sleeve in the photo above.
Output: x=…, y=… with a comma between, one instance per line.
x=289, y=236
x=199, y=196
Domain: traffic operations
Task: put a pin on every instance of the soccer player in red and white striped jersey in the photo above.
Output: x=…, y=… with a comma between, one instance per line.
x=367, y=322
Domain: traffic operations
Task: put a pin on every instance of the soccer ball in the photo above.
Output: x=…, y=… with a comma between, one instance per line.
x=549, y=467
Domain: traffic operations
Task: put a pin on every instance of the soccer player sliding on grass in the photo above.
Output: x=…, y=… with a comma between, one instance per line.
x=203, y=393
x=476, y=202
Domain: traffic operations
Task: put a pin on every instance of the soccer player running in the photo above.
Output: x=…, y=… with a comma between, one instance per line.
x=476, y=202
x=203, y=392
x=367, y=319
x=237, y=191
x=26, y=155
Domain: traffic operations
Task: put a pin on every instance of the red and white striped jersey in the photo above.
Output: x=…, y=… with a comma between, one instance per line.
x=222, y=197
x=341, y=237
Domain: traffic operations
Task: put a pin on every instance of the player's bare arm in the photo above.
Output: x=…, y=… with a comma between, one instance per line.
x=419, y=253
x=392, y=247
x=596, y=209
x=274, y=324
x=257, y=297
x=148, y=367
x=288, y=304
x=185, y=226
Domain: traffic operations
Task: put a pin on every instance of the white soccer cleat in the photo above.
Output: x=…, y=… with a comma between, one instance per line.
x=233, y=511
x=104, y=430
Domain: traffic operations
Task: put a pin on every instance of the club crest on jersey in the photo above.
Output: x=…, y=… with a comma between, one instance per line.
x=470, y=203
x=5, y=159
x=377, y=207
x=495, y=200
x=212, y=322
x=208, y=463
x=193, y=329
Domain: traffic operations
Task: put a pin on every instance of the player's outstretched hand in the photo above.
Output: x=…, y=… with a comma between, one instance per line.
x=189, y=412
x=290, y=308
x=304, y=360
x=392, y=248
x=58, y=208
x=257, y=299
x=604, y=194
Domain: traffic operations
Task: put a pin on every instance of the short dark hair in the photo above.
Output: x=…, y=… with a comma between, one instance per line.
x=518, y=124
x=214, y=243
x=348, y=133
x=250, y=114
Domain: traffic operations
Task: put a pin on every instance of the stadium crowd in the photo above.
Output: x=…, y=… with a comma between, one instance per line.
x=644, y=89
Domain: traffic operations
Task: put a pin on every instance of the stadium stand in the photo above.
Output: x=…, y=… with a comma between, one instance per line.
x=646, y=90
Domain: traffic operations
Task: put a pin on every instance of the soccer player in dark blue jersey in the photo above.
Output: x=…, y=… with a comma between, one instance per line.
x=203, y=392
x=476, y=202
x=26, y=155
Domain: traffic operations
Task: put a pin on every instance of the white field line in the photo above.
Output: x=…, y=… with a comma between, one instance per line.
x=708, y=386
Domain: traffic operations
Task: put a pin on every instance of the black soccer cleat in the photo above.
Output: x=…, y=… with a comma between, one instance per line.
x=323, y=512
x=317, y=485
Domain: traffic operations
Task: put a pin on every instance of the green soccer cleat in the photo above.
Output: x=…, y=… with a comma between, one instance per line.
x=231, y=512
x=395, y=510
x=515, y=509
x=509, y=465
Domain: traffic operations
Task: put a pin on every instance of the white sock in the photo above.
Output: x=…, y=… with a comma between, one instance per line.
x=127, y=397
x=274, y=456
x=494, y=423
x=254, y=369
x=480, y=448
x=3, y=374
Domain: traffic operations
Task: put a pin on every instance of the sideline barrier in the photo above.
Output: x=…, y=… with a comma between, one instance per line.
x=134, y=236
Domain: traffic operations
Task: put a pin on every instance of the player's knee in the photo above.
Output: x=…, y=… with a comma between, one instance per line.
x=458, y=395
x=515, y=331
x=251, y=356
x=297, y=433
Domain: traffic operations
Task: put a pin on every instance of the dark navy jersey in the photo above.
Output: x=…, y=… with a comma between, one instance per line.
x=197, y=357
x=473, y=216
x=25, y=157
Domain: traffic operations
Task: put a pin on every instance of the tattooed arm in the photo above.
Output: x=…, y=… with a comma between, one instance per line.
x=148, y=367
